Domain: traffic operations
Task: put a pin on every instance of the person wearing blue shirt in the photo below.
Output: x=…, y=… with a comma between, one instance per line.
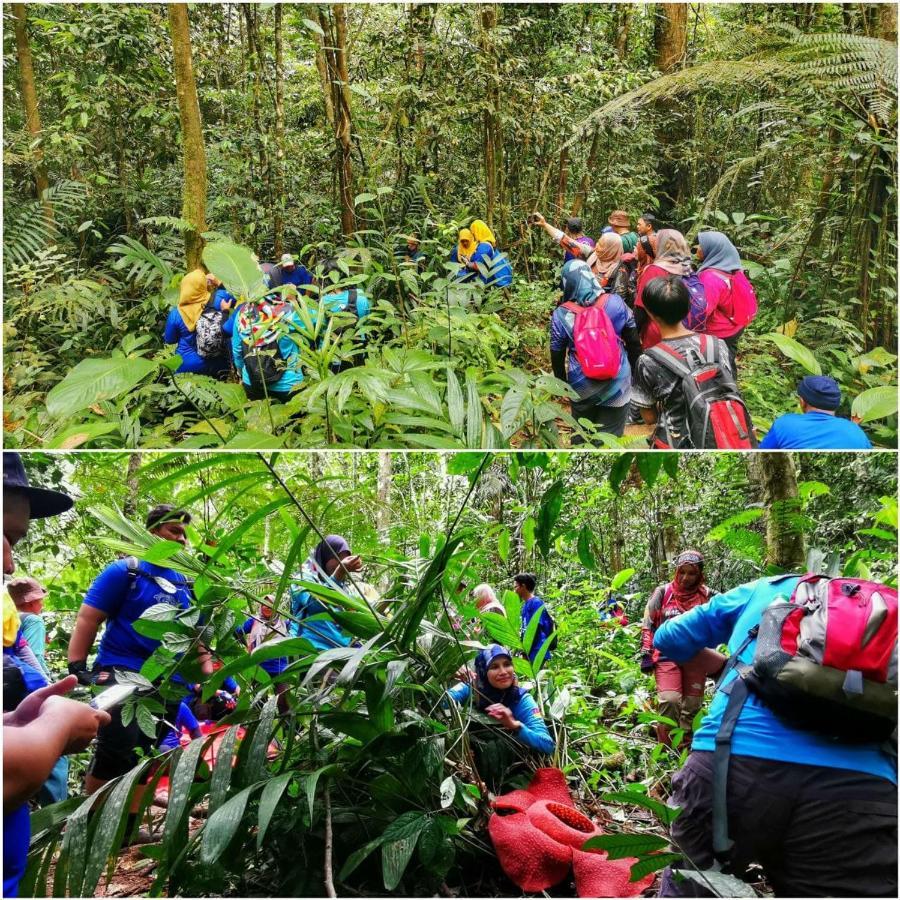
x=259, y=631
x=181, y=324
x=265, y=348
x=477, y=253
x=605, y=403
x=816, y=427
x=328, y=565
x=354, y=303
x=818, y=813
x=118, y=597
x=524, y=584
x=45, y=725
x=494, y=690
x=288, y=272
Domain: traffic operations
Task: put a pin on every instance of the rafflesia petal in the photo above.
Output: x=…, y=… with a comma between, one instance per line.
x=517, y=801
x=597, y=876
x=550, y=784
x=531, y=859
x=564, y=824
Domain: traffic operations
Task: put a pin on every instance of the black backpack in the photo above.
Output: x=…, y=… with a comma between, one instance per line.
x=210, y=333
x=717, y=418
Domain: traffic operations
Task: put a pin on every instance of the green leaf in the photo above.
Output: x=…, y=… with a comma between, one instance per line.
x=81, y=434
x=179, y=796
x=357, y=856
x=223, y=824
x=654, y=863
x=666, y=814
x=649, y=465
x=395, y=857
x=875, y=403
x=528, y=534
x=254, y=440
x=796, y=351
x=464, y=463
x=222, y=769
x=548, y=513
x=314, y=26
x=620, y=470
x=254, y=768
x=503, y=540
x=620, y=579
x=312, y=781
x=619, y=846
x=161, y=551
x=271, y=795
x=95, y=380
x=235, y=267
x=145, y=719
x=585, y=553
x=363, y=198
x=455, y=405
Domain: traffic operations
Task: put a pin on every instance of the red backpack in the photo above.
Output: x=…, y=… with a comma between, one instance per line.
x=717, y=418
x=597, y=345
x=742, y=298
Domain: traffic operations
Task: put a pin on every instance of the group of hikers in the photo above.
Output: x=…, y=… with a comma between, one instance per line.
x=640, y=333
x=793, y=767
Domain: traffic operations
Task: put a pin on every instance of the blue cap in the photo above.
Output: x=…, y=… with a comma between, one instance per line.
x=820, y=391
x=43, y=502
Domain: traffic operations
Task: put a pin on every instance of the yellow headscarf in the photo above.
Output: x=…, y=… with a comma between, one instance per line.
x=193, y=297
x=482, y=233
x=467, y=243
x=10, y=621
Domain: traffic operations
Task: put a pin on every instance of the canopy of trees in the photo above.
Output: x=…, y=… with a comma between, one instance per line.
x=132, y=133
x=372, y=789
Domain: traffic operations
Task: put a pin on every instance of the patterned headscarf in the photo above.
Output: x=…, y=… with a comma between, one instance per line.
x=485, y=694
x=672, y=252
x=688, y=558
x=579, y=284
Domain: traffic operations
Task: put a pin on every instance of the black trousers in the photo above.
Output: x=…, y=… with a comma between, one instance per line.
x=816, y=831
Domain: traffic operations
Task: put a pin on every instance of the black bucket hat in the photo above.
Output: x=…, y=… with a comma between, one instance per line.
x=44, y=502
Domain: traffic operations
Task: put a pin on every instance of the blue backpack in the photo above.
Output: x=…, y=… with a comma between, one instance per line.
x=696, y=317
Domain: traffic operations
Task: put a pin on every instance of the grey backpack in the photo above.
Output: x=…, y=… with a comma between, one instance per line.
x=210, y=335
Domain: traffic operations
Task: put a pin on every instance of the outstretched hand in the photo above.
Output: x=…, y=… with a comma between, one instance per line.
x=81, y=721
x=30, y=708
x=503, y=714
x=537, y=219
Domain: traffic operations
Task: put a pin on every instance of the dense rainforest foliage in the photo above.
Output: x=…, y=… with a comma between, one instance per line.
x=134, y=132
x=369, y=787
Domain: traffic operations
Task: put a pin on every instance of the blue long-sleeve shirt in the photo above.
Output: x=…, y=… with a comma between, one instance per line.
x=614, y=392
x=544, y=628
x=759, y=732
x=814, y=431
x=290, y=352
x=186, y=340
x=500, y=271
x=533, y=732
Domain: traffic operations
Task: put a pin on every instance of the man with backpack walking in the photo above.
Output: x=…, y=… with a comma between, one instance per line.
x=794, y=767
x=684, y=383
x=524, y=584
x=596, y=331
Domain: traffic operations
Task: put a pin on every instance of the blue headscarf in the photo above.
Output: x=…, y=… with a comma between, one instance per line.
x=718, y=252
x=485, y=694
x=579, y=284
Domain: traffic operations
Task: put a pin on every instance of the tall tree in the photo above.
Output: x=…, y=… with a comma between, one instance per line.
x=333, y=21
x=670, y=35
x=193, y=208
x=776, y=478
x=30, y=100
x=492, y=136
x=278, y=210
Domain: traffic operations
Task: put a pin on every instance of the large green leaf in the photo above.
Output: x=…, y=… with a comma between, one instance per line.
x=81, y=434
x=619, y=846
x=235, y=267
x=93, y=380
x=548, y=513
x=794, y=350
x=875, y=403
x=179, y=795
x=270, y=798
x=223, y=824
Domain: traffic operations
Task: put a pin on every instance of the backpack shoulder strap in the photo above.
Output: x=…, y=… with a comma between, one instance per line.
x=134, y=567
x=573, y=307
x=668, y=357
x=352, y=296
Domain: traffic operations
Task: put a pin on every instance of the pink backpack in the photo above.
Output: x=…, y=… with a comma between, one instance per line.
x=597, y=346
x=741, y=296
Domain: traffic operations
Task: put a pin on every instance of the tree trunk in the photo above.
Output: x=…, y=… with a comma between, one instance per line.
x=491, y=123
x=193, y=207
x=776, y=478
x=887, y=21
x=30, y=101
x=278, y=214
x=584, y=187
x=255, y=56
x=623, y=23
x=383, y=508
x=563, y=184
x=670, y=36
x=129, y=507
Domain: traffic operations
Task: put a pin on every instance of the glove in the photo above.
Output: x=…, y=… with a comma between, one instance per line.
x=647, y=664
x=79, y=669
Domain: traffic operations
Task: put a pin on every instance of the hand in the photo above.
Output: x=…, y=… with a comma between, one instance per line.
x=464, y=260
x=503, y=714
x=81, y=720
x=537, y=219
x=465, y=674
x=30, y=708
x=352, y=564
x=226, y=305
x=647, y=664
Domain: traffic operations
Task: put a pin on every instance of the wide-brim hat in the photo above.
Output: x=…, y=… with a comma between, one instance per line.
x=287, y=259
x=44, y=502
x=26, y=590
x=619, y=218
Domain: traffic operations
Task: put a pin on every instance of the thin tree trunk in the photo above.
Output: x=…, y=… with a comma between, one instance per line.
x=383, y=508
x=278, y=215
x=490, y=119
x=776, y=478
x=193, y=207
x=129, y=508
x=562, y=186
x=30, y=101
x=824, y=204
x=584, y=187
x=251, y=12
x=623, y=23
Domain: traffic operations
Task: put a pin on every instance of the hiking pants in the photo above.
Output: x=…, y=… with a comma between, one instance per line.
x=816, y=831
x=257, y=393
x=732, y=344
x=610, y=419
x=680, y=688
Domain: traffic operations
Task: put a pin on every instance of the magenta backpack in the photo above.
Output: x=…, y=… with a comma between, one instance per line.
x=597, y=346
x=742, y=298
